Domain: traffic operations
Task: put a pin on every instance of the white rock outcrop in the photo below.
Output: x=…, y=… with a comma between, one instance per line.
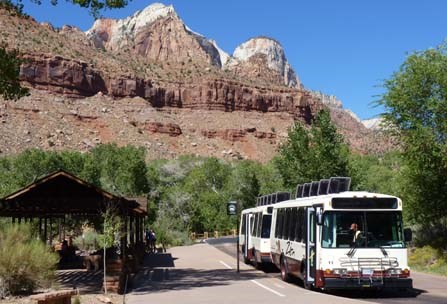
x=274, y=52
x=374, y=123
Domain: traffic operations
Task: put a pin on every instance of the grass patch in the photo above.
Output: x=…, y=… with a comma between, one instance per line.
x=427, y=259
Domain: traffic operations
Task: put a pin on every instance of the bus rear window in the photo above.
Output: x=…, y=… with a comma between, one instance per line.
x=266, y=224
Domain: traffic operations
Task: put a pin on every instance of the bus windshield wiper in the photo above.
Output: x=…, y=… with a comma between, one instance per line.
x=352, y=251
x=383, y=251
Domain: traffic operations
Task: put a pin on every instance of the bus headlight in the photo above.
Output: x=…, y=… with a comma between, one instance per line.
x=394, y=271
x=340, y=271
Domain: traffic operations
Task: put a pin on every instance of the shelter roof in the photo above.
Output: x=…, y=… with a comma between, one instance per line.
x=64, y=193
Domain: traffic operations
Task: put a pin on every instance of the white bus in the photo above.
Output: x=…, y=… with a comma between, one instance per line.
x=332, y=238
x=254, y=231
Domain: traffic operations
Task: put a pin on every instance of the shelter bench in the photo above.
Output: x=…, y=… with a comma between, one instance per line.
x=55, y=297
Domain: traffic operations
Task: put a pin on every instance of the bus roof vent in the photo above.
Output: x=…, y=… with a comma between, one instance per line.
x=323, y=186
x=306, y=189
x=339, y=184
x=314, y=189
x=299, y=191
x=282, y=196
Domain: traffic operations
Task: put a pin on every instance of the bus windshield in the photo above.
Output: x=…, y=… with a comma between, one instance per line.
x=362, y=229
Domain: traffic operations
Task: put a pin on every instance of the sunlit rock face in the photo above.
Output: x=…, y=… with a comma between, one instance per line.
x=156, y=33
x=268, y=52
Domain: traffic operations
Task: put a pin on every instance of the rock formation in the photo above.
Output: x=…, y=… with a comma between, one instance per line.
x=261, y=53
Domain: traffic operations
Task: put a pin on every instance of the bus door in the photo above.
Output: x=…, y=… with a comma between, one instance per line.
x=311, y=257
x=247, y=234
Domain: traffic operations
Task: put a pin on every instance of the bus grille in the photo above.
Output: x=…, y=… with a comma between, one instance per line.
x=375, y=263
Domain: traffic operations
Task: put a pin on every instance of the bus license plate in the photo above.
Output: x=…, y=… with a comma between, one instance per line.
x=367, y=272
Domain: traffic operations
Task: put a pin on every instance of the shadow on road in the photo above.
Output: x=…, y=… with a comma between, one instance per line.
x=160, y=275
x=377, y=294
x=85, y=281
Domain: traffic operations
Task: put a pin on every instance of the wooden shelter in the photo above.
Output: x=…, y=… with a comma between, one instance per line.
x=51, y=198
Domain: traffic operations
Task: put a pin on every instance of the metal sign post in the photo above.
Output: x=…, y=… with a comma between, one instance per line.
x=232, y=210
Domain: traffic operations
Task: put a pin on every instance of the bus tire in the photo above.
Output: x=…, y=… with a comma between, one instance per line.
x=285, y=276
x=246, y=259
x=256, y=264
x=305, y=284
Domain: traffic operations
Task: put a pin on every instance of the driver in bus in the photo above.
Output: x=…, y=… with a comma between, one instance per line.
x=355, y=233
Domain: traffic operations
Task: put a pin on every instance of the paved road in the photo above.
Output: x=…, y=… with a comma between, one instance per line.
x=204, y=274
x=428, y=288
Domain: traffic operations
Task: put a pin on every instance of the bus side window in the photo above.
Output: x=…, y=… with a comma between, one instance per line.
x=302, y=223
x=281, y=223
x=278, y=220
x=258, y=232
x=253, y=224
x=243, y=224
x=293, y=223
x=285, y=234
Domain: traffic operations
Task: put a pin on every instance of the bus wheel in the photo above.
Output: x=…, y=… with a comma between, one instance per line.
x=306, y=285
x=246, y=259
x=284, y=273
x=256, y=264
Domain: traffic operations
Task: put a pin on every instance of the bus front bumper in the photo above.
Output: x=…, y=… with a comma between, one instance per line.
x=355, y=283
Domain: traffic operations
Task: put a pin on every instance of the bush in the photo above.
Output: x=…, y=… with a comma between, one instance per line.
x=88, y=241
x=25, y=263
x=428, y=259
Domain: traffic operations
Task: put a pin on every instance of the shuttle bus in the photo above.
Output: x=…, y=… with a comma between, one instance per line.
x=254, y=231
x=332, y=238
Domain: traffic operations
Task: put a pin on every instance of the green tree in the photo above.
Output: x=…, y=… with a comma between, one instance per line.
x=312, y=154
x=416, y=107
x=379, y=174
x=10, y=63
x=122, y=169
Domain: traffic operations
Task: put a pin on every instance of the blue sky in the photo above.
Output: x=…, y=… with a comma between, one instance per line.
x=345, y=47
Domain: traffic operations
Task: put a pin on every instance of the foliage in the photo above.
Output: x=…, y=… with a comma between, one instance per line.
x=312, y=154
x=428, y=259
x=416, y=105
x=87, y=241
x=378, y=174
x=15, y=9
x=111, y=230
x=9, y=73
x=25, y=263
x=122, y=170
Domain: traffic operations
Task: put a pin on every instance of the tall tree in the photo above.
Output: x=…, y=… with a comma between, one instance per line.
x=312, y=154
x=416, y=107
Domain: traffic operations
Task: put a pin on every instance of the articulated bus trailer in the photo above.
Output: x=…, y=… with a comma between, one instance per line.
x=254, y=231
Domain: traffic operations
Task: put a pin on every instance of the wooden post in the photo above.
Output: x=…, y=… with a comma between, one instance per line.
x=137, y=229
x=40, y=228
x=63, y=227
x=45, y=230
x=60, y=229
x=51, y=231
x=131, y=231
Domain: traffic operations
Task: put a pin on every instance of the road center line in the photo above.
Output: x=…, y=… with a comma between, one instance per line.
x=226, y=265
x=267, y=288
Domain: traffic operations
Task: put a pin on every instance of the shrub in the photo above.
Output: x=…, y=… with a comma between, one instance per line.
x=428, y=259
x=88, y=241
x=25, y=263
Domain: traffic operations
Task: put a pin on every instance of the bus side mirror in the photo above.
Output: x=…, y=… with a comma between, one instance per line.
x=319, y=216
x=408, y=235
